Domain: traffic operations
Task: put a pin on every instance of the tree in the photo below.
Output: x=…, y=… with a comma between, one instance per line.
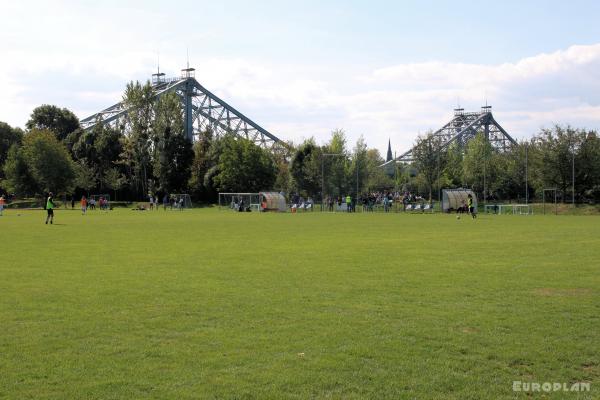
x=429, y=160
x=359, y=172
x=510, y=172
x=377, y=178
x=453, y=169
x=173, y=151
x=42, y=164
x=60, y=121
x=99, y=148
x=305, y=168
x=9, y=136
x=587, y=166
x=137, y=149
x=86, y=177
x=479, y=170
x=337, y=169
x=114, y=180
x=244, y=166
x=18, y=177
x=282, y=155
x=202, y=163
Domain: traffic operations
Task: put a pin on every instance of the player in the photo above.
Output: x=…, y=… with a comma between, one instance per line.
x=2, y=203
x=471, y=208
x=50, y=209
x=83, y=205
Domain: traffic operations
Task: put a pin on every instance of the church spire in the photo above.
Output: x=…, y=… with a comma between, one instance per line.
x=389, y=152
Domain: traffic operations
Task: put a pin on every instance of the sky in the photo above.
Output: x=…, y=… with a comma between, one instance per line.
x=300, y=69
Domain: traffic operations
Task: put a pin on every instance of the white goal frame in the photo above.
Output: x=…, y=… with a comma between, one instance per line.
x=187, y=201
x=230, y=201
x=96, y=198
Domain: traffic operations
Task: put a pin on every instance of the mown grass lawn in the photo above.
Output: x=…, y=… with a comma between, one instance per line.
x=209, y=304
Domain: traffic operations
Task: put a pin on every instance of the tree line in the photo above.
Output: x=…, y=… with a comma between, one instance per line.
x=147, y=153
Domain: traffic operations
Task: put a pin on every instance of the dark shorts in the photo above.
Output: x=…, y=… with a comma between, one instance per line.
x=471, y=210
x=50, y=211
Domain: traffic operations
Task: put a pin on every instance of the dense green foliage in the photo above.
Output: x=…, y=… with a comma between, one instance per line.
x=9, y=136
x=146, y=153
x=171, y=305
x=41, y=163
x=60, y=121
x=243, y=166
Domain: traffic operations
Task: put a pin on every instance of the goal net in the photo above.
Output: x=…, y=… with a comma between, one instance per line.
x=99, y=201
x=239, y=201
x=181, y=201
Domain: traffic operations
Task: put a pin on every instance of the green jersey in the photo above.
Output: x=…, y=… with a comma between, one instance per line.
x=49, y=204
x=470, y=202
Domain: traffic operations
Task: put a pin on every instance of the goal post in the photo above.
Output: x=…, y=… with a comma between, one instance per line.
x=99, y=201
x=552, y=197
x=239, y=201
x=180, y=201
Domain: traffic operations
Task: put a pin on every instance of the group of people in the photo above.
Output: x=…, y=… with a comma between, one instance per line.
x=168, y=201
x=238, y=204
x=369, y=201
x=86, y=204
x=467, y=207
x=300, y=203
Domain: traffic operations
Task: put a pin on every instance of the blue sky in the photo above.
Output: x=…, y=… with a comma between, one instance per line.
x=381, y=69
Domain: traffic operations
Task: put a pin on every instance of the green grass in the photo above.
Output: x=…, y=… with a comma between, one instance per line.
x=209, y=304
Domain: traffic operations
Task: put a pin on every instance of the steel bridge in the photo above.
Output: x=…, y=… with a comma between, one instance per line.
x=462, y=128
x=202, y=110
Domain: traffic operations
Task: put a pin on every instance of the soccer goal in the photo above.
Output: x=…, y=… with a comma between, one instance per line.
x=99, y=201
x=239, y=201
x=550, y=198
x=181, y=201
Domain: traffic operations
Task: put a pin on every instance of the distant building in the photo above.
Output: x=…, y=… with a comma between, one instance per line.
x=389, y=168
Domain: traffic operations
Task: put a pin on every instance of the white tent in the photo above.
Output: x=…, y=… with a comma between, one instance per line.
x=272, y=201
x=453, y=199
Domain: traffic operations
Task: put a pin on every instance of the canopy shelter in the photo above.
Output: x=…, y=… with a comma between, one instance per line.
x=457, y=199
x=272, y=201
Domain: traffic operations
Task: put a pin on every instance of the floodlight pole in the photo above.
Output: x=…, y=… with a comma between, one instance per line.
x=573, y=178
x=356, y=178
x=323, y=174
x=526, y=172
x=484, y=165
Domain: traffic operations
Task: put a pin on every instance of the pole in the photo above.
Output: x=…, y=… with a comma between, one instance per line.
x=544, y=201
x=526, y=174
x=484, y=165
x=323, y=174
x=357, y=179
x=322, y=180
x=573, y=180
x=439, y=189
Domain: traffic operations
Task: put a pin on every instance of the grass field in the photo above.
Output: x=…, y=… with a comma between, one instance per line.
x=209, y=304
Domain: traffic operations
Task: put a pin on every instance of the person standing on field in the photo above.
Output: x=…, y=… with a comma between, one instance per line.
x=2, y=203
x=50, y=209
x=471, y=208
x=83, y=205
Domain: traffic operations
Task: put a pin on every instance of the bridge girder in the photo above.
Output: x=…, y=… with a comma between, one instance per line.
x=463, y=127
x=201, y=109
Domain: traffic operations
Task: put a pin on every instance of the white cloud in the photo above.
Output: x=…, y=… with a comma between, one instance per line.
x=299, y=101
